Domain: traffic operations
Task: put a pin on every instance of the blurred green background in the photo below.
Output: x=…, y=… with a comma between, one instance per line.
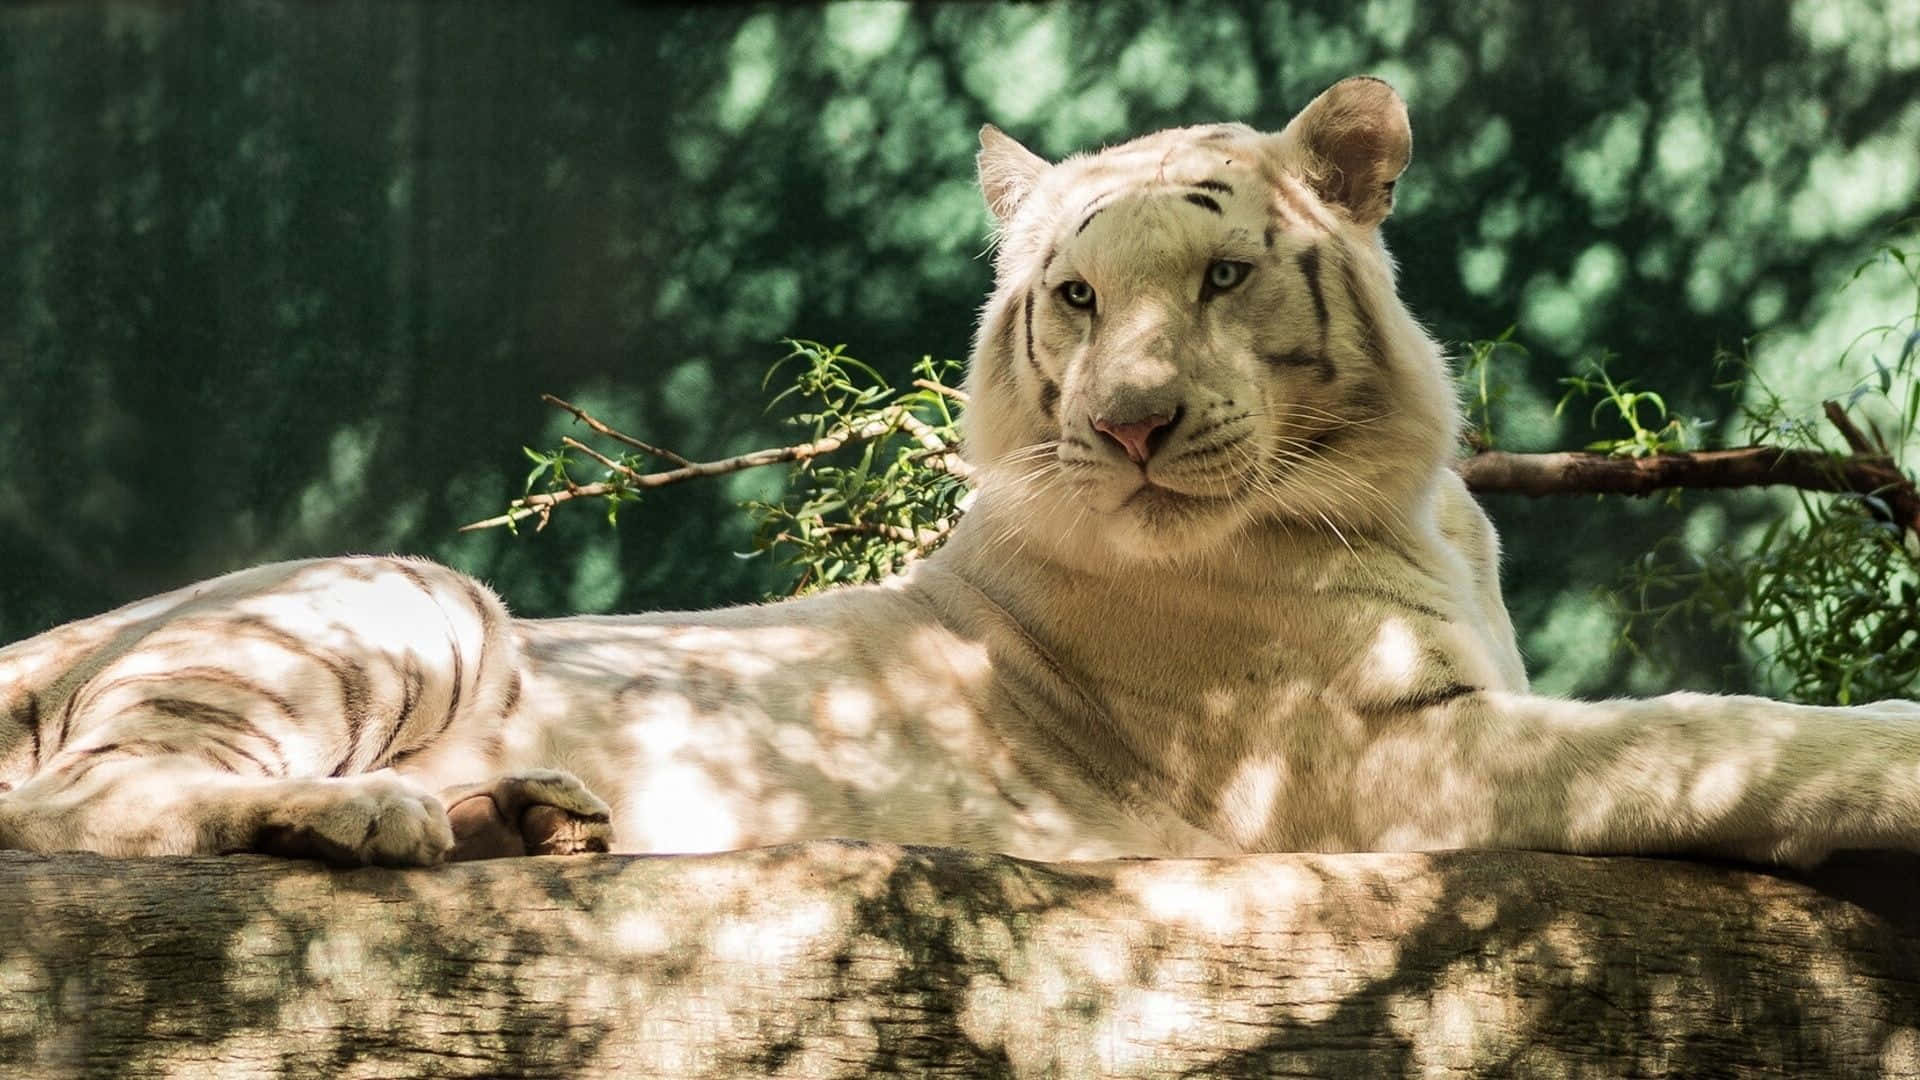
x=286, y=278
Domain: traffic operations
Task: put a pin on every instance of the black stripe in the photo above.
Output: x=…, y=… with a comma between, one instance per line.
x=1220, y=186
x=1319, y=361
x=489, y=626
x=1000, y=359
x=1370, y=340
x=66, y=718
x=1098, y=202
x=1204, y=202
x=1049, y=396
x=1272, y=232
x=81, y=762
x=453, y=697
x=1031, y=359
x=1385, y=596
x=418, y=579
x=488, y=620
x=356, y=702
x=85, y=760
x=1366, y=398
x=512, y=699
x=1088, y=220
x=228, y=746
x=217, y=676
x=1418, y=700
x=413, y=682
x=33, y=725
x=215, y=716
x=1309, y=261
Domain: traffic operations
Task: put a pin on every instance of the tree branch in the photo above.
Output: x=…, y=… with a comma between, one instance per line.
x=1580, y=473
x=888, y=420
x=1869, y=471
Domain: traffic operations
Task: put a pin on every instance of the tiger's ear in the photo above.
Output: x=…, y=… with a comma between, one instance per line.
x=1007, y=171
x=1353, y=141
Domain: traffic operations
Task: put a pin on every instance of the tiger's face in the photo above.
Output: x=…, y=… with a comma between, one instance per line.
x=1196, y=331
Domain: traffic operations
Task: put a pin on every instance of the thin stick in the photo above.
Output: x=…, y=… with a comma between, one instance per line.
x=645, y=448
x=943, y=390
x=568, y=440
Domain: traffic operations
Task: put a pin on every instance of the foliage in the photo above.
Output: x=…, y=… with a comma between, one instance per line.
x=1485, y=389
x=874, y=485
x=1673, y=434
x=1829, y=595
x=899, y=497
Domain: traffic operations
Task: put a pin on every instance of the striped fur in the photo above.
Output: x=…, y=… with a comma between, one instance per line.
x=1217, y=592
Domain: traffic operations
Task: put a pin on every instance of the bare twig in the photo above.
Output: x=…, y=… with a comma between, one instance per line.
x=576, y=444
x=645, y=448
x=942, y=389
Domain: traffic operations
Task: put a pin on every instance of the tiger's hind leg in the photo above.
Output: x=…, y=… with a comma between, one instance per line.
x=141, y=799
x=532, y=812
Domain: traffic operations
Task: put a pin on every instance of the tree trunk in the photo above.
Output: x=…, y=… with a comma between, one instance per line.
x=842, y=959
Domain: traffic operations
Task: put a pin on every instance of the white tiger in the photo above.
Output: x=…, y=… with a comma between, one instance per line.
x=1218, y=592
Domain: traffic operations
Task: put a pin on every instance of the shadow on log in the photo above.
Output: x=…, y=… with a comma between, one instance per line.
x=843, y=959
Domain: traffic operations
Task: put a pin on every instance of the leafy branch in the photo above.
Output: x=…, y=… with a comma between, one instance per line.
x=837, y=522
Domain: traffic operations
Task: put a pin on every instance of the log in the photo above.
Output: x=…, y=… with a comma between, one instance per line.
x=846, y=959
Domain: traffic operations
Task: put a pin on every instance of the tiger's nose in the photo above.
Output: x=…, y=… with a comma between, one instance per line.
x=1139, y=438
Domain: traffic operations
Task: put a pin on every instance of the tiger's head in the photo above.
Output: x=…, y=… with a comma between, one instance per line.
x=1197, y=331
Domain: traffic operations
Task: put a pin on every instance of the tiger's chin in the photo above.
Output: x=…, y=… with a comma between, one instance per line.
x=1152, y=523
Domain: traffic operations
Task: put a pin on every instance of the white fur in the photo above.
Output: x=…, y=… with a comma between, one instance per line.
x=1284, y=631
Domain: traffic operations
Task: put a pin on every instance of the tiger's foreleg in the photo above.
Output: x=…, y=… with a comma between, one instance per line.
x=1699, y=774
x=530, y=812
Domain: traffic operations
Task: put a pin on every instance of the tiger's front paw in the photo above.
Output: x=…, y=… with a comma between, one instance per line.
x=534, y=812
x=376, y=819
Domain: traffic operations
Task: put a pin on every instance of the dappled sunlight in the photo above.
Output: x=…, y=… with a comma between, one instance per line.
x=831, y=958
x=1249, y=799
x=302, y=299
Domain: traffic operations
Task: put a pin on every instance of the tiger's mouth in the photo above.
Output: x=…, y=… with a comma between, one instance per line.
x=1151, y=495
x=1159, y=505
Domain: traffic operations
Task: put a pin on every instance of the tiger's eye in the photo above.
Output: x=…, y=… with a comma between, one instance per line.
x=1077, y=294
x=1224, y=274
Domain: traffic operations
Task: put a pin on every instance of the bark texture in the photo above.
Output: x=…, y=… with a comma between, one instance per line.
x=840, y=959
x=1584, y=472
